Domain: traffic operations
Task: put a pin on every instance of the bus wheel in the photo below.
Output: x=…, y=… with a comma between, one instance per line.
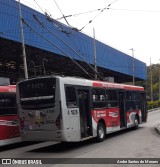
x=100, y=132
x=136, y=123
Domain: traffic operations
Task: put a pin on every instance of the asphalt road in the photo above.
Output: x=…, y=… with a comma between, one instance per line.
x=141, y=143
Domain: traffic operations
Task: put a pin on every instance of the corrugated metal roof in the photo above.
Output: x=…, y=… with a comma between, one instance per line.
x=107, y=57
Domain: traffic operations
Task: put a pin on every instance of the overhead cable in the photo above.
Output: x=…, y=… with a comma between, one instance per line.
x=36, y=18
x=39, y=6
x=56, y=47
x=101, y=10
x=80, y=13
x=62, y=13
x=137, y=10
x=46, y=13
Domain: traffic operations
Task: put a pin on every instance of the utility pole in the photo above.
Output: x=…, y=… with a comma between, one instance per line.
x=133, y=65
x=95, y=56
x=159, y=81
x=23, y=46
x=151, y=80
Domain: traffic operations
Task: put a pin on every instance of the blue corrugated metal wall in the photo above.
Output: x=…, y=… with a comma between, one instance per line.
x=107, y=56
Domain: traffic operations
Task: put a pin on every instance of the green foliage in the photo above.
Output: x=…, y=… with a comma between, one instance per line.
x=154, y=71
x=153, y=104
x=155, y=68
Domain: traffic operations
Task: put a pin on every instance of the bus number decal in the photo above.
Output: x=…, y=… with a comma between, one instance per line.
x=73, y=111
x=12, y=90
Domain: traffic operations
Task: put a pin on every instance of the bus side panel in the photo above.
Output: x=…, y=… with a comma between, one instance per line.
x=70, y=123
x=131, y=117
x=9, y=127
x=111, y=116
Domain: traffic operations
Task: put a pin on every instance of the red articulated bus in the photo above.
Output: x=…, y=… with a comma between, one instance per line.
x=55, y=108
x=9, y=122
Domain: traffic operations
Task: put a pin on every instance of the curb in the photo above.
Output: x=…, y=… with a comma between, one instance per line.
x=154, y=109
x=157, y=128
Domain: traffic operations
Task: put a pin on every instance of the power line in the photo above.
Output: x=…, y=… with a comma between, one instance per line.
x=86, y=12
x=36, y=18
x=39, y=6
x=77, y=14
x=62, y=13
x=54, y=22
x=137, y=10
x=26, y=2
x=102, y=10
x=58, y=7
x=90, y=21
x=56, y=47
x=65, y=17
x=114, y=2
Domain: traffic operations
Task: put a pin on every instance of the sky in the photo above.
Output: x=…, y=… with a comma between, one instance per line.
x=123, y=24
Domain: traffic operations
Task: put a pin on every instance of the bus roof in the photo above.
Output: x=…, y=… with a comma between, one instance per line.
x=92, y=83
x=103, y=84
x=117, y=86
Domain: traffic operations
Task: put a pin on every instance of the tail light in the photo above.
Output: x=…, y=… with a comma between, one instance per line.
x=58, y=121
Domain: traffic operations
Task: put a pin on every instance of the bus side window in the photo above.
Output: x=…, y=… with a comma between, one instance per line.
x=136, y=98
x=128, y=95
x=129, y=104
x=112, y=99
x=71, y=96
x=8, y=104
x=98, y=97
x=132, y=100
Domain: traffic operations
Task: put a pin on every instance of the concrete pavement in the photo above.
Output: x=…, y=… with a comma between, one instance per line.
x=158, y=128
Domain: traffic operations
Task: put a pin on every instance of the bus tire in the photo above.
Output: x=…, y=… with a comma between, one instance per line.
x=100, y=132
x=136, y=123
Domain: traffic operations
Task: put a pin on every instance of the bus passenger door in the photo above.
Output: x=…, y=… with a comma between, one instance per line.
x=85, y=113
x=71, y=119
x=122, y=109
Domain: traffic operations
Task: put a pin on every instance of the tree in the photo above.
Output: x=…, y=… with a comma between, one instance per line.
x=155, y=80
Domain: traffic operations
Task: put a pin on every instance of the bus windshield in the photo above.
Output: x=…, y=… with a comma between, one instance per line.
x=7, y=104
x=37, y=93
